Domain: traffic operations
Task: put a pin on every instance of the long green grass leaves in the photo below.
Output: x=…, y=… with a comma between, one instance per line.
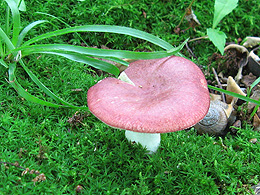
x=95, y=52
x=6, y=41
x=14, y=50
x=27, y=29
x=105, y=28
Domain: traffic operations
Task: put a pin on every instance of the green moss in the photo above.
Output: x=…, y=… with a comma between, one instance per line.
x=97, y=157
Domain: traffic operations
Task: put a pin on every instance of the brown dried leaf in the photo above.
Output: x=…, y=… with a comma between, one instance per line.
x=39, y=178
x=251, y=41
x=75, y=119
x=256, y=122
x=192, y=18
x=32, y=171
x=233, y=87
x=255, y=96
x=25, y=171
x=247, y=80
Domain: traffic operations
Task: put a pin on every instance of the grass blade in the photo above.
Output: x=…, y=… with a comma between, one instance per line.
x=27, y=50
x=254, y=112
x=27, y=29
x=117, y=60
x=2, y=49
x=7, y=41
x=63, y=22
x=44, y=88
x=247, y=99
x=7, y=20
x=16, y=20
x=21, y=5
x=106, y=28
x=26, y=95
x=102, y=65
x=249, y=93
x=2, y=62
x=252, y=86
x=13, y=82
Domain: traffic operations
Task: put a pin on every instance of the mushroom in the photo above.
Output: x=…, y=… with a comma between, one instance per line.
x=241, y=54
x=157, y=96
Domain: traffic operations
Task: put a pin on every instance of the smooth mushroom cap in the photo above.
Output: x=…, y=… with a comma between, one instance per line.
x=170, y=94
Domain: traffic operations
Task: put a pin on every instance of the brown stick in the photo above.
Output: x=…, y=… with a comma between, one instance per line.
x=13, y=164
x=219, y=84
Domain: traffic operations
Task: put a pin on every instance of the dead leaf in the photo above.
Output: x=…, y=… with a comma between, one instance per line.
x=79, y=189
x=251, y=41
x=247, y=80
x=39, y=178
x=235, y=126
x=255, y=96
x=214, y=97
x=192, y=18
x=256, y=122
x=144, y=14
x=233, y=87
x=25, y=171
x=177, y=30
x=77, y=118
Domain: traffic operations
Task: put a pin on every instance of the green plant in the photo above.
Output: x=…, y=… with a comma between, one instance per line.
x=221, y=9
x=13, y=50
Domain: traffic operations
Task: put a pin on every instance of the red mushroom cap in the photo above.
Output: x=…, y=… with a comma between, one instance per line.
x=170, y=94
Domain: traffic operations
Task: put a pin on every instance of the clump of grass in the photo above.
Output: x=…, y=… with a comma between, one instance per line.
x=14, y=48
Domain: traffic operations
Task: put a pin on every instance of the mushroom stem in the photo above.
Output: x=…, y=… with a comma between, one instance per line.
x=150, y=141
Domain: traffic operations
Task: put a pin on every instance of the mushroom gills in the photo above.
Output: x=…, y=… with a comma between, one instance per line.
x=150, y=141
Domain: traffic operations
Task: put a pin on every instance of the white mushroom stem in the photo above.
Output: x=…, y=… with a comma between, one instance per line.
x=150, y=141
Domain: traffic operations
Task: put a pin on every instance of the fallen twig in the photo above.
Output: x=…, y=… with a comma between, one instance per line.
x=219, y=84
